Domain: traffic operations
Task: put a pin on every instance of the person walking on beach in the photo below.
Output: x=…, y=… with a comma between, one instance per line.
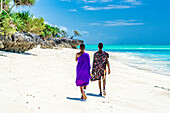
x=83, y=70
x=99, y=67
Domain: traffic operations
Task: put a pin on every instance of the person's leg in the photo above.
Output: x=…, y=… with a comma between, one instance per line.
x=85, y=87
x=100, y=88
x=83, y=92
x=81, y=89
x=104, y=85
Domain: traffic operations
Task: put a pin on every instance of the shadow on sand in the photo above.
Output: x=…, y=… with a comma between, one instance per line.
x=27, y=54
x=16, y=53
x=3, y=55
x=77, y=99
x=94, y=95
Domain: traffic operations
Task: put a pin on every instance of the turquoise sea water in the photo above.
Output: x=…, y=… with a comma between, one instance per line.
x=154, y=58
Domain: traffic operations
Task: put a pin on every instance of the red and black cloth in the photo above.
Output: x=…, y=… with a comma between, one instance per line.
x=99, y=65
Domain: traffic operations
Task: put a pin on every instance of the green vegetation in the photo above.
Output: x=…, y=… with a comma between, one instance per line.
x=25, y=22
x=10, y=22
x=50, y=31
x=63, y=33
x=76, y=33
x=6, y=26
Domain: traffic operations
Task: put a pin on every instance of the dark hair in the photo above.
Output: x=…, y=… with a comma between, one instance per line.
x=100, y=45
x=82, y=46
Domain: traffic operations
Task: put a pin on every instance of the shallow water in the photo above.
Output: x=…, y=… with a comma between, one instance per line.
x=154, y=58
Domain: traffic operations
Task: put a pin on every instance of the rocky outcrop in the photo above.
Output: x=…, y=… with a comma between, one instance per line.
x=18, y=47
x=48, y=44
x=66, y=42
x=18, y=42
x=21, y=42
x=1, y=45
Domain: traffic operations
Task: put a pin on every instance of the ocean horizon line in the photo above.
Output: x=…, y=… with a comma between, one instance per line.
x=129, y=47
x=134, y=44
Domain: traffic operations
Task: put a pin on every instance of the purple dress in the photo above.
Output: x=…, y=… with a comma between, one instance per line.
x=83, y=70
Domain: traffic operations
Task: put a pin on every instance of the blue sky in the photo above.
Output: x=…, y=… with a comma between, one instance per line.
x=127, y=22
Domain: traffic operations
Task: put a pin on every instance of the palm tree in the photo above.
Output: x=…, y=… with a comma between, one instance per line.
x=56, y=31
x=5, y=5
x=23, y=3
x=63, y=33
x=76, y=33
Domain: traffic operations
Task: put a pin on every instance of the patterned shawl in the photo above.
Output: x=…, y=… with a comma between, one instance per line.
x=99, y=65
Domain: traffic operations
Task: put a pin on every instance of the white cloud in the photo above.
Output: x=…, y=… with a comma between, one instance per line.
x=95, y=1
x=121, y=4
x=65, y=0
x=90, y=1
x=63, y=28
x=133, y=2
x=34, y=17
x=50, y=24
x=117, y=23
x=107, y=7
x=83, y=32
x=95, y=24
x=73, y=10
x=106, y=0
x=69, y=31
x=60, y=27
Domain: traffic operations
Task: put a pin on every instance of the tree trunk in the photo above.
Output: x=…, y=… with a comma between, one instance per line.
x=12, y=7
x=1, y=7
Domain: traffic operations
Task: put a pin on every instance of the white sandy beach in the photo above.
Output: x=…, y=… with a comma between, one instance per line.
x=43, y=81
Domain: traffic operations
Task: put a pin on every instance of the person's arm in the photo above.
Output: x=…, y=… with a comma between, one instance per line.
x=108, y=65
x=77, y=55
x=93, y=65
x=89, y=61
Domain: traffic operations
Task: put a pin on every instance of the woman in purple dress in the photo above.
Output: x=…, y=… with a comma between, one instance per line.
x=83, y=70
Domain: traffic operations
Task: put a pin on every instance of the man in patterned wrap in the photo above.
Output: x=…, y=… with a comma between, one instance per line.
x=99, y=67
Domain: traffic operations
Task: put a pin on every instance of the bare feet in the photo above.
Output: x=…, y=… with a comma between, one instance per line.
x=84, y=96
x=104, y=92
x=100, y=94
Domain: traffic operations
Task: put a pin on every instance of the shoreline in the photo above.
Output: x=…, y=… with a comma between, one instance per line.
x=43, y=81
x=156, y=72
x=117, y=54
x=142, y=65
